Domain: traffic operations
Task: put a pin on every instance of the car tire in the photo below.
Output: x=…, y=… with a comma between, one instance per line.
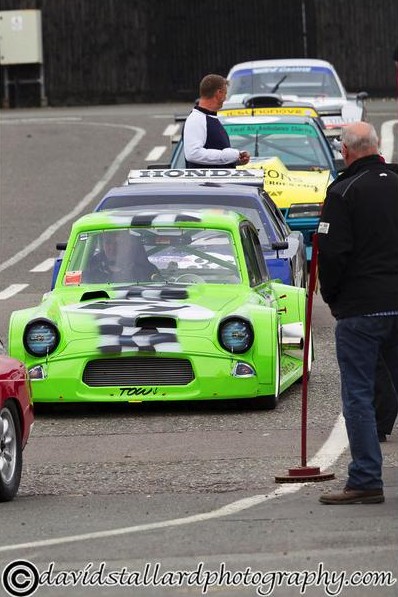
x=10, y=451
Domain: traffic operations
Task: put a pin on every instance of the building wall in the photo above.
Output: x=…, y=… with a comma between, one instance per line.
x=109, y=51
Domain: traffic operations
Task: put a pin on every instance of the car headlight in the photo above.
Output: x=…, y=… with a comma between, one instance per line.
x=305, y=210
x=235, y=335
x=41, y=337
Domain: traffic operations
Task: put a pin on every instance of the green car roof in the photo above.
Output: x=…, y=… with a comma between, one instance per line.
x=212, y=218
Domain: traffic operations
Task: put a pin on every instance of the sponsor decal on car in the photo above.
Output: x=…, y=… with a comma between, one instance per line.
x=271, y=111
x=197, y=173
x=134, y=391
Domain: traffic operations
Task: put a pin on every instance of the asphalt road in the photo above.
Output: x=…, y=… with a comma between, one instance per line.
x=177, y=485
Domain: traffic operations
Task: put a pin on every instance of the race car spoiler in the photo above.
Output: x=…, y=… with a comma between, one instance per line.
x=227, y=175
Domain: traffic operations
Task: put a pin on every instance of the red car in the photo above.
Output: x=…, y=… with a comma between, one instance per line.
x=16, y=420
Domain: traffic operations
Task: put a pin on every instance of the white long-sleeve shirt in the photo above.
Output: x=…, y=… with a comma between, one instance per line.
x=206, y=142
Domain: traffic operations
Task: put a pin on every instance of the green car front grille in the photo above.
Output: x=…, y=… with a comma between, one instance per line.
x=138, y=371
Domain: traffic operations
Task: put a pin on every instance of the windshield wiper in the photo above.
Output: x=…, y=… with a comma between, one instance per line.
x=256, y=147
x=276, y=87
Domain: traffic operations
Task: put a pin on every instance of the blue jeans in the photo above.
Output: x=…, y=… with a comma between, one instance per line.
x=358, y=342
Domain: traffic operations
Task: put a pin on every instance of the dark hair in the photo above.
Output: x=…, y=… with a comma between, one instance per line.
x=210, y=84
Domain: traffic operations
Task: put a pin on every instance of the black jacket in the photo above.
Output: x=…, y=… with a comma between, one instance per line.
x=358, y=240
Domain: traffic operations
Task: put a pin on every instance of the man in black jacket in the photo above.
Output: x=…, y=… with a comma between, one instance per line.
x=358, y=273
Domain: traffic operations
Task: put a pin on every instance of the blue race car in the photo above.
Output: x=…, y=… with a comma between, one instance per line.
x=284, y=249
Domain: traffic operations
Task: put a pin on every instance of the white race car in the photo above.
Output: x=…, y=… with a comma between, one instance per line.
x=306, y=80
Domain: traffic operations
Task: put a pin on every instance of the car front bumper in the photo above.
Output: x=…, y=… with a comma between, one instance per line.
x=212, y=378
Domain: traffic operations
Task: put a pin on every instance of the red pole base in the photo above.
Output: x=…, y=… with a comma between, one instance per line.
x=303, y=474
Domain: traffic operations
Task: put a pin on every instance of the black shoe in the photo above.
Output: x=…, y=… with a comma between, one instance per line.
x=382, y=437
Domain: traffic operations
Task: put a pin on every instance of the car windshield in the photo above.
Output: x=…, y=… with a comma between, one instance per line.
x=298, y=146
x=140, y=255
x=306, y=81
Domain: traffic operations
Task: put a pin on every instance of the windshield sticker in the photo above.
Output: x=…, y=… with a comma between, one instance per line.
x=73, y=278
x=291, y=69
x=270, y=111
x=270, y=129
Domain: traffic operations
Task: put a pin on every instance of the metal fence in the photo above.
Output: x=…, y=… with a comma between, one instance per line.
x=110, y=51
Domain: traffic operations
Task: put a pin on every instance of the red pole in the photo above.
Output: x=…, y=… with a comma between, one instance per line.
x=307, y=349
x=306, y=473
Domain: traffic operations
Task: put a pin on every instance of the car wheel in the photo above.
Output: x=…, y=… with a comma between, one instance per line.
x=10, y=451
x=269, y=402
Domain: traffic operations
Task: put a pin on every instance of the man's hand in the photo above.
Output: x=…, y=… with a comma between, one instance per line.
x=244, y=158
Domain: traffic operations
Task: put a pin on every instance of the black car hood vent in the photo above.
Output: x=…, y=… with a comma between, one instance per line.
x=93, y=295
x=146, y=322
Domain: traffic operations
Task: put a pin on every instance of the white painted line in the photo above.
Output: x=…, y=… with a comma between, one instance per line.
x=155, y=154
x=387, y=139
x=97, y=189
x=328, y=454
x=11, y=290
x=44, y=266
x=171, y=130
x=42, y=120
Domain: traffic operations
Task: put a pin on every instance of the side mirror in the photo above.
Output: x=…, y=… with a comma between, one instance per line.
x=158, y=166
x=182, y=117
x=279, y=245
x=362, y=95
x=61, y=246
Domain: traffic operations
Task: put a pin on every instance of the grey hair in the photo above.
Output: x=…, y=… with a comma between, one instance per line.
x=363, y=141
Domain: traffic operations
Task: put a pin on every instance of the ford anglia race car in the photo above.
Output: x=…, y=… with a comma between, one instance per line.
x=299, y=195
x=308, y=80
x=298, y=141
x=297, y=159
x=237, y=190
x=162, y=305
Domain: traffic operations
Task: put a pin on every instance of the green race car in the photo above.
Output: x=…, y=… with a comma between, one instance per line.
x=173, y=305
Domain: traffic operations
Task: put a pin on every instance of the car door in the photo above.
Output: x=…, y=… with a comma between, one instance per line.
x=296, y=251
